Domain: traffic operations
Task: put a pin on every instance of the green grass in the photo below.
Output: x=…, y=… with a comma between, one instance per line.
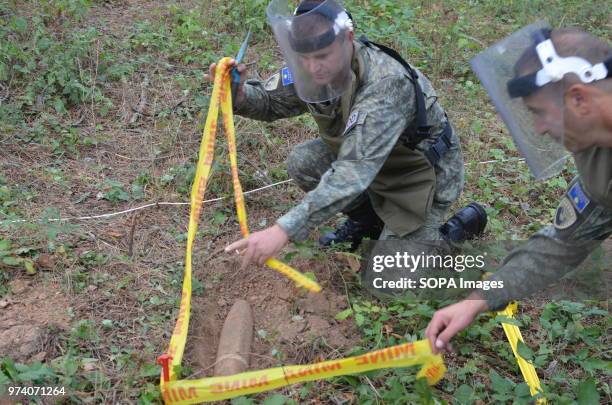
x=70, y=75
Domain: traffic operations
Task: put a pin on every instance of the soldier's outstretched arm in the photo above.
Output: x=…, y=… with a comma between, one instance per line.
x=378, y=117
x=580, y=226
x=274, y=99
x=270, y=100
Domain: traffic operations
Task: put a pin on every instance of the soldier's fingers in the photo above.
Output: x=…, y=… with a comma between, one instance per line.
x=248, y=257
x=241, y=68
x=442, y=342
x=261, y=260
x=239, y=245
x=211, y=70
x=433, y=329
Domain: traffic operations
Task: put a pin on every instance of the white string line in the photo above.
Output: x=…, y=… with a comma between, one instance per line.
x=112, y=214
x=500, y=161
x=157, y=204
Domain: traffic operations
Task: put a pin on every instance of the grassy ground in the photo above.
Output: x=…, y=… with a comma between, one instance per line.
x=101, y=110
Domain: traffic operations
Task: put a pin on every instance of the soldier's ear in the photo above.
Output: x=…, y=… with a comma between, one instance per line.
x=579, y=100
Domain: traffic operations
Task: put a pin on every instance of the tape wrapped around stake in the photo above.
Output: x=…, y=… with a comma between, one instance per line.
x=513, y=333
x=217, y=388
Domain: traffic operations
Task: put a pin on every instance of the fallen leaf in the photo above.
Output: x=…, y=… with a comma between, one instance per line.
x=89, y=364
x=45, y=261
x=351, y=260
x=29, y=266
x=116, y=234
x=39, y=357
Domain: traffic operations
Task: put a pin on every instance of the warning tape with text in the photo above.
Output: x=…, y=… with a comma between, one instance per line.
x=217, y=388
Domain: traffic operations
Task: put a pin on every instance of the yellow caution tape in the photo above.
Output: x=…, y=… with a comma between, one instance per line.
x=513, y=333
x=219, y=388
x=221, y=95
x=222, y=82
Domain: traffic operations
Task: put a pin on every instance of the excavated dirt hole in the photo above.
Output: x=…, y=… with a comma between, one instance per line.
x=291, y=325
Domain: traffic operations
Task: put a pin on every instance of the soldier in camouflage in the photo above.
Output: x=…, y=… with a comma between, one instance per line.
x=373, y=160
x=566, y=79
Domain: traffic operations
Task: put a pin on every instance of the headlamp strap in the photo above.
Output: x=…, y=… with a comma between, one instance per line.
x=555, y=67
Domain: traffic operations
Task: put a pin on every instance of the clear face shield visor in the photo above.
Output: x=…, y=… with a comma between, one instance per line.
x=313, y=40
x=523, y=75
x=535, y=124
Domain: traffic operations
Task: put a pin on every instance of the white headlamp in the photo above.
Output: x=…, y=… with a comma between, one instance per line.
x=554, y=67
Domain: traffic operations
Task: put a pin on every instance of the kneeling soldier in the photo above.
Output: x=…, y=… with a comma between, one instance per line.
x=387, y=155
x=561, y=85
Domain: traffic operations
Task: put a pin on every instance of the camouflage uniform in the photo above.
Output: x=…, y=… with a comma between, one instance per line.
x=582, y=221
x=359, y=154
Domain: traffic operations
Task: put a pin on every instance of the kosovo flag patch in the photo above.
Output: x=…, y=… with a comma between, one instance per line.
x=578, y=197
x=286, y=76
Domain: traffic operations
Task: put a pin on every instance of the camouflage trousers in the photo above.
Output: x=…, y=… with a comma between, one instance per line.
x=308, y=161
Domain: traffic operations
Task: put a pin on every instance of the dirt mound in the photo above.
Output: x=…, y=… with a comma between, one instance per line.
x=291, y=325
x=29, y=319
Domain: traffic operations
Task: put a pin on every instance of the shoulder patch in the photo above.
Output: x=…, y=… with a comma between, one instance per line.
x=272, y=82
x=286, y=76
x=351, y=122
x=578, y=197
x=566, y=214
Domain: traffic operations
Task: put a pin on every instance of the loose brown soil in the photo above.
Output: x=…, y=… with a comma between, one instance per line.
x=129, y=288
x=291, y=325
x=30, y=319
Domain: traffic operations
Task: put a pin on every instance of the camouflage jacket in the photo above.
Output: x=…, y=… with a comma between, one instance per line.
x=362, y=128
x=582, y=221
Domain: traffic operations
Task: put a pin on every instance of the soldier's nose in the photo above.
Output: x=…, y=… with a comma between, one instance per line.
x=541, y=128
